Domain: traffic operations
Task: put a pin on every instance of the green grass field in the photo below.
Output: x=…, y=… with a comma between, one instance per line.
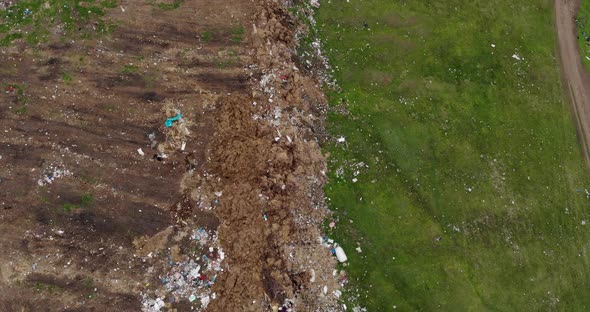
x=474, y=197
x=583, y=25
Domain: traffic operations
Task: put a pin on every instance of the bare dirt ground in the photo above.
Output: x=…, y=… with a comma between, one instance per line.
x=223, y=210
x=575, y=77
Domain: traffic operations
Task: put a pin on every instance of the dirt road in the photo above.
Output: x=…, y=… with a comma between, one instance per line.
x=576, y=79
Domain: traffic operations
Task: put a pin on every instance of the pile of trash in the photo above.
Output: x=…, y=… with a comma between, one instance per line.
x=191, y=279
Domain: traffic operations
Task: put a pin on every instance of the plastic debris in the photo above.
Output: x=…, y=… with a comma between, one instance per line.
x=169, y=121
x=340, y=255
x=140, y=152
x=516, y=57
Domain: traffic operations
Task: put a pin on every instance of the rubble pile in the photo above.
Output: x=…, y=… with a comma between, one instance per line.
x=190, y=279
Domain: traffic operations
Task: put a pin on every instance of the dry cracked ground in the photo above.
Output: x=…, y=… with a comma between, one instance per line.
x=105, y=208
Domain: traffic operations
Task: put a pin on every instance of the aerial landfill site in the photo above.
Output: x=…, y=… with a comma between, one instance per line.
x=172, y=164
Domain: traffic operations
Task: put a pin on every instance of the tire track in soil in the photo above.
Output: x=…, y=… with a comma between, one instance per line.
x=575, y=78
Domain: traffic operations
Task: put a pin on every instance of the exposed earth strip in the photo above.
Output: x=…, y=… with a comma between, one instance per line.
x=576, y=79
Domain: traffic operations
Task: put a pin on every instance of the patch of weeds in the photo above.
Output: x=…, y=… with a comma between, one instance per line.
x=109, y=4
x=33, y=20
x=237, y=34
x=40, y=286
x=169, y=6
x=66, y=77
x=206, y=36
x=69, y=207
x=129, y=69
x=20, y=98
x=21, y=110
x=224, y=63
x=85, y=201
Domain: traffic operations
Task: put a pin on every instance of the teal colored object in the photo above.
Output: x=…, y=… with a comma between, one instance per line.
x=168, y=122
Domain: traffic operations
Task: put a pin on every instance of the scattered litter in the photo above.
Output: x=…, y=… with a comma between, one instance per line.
x=340, y=255
x=169, y=121
x=337, y=293
x=192, y=278
x=183, y=146
x=341, y=139
x=332, y=224
x=516, y=57
x=51, y=173
x=140, y=152
x=493, y=45
x=152, y=305
x=358, y=249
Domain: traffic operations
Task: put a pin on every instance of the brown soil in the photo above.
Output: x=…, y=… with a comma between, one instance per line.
x=575, y=77
x=89, y=224
x=54, y=259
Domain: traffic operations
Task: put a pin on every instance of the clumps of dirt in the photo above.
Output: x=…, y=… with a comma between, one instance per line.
x=146, y=246
x=264, y=180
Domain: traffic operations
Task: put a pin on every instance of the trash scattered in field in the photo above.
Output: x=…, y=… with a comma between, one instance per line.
x=51, y=173
x=140, y=152
x=192, y=278
x=516, y=57
x=340, y=255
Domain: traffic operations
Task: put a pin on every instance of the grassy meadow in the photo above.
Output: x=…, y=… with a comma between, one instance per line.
x=583, y=25
x=461, y=177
